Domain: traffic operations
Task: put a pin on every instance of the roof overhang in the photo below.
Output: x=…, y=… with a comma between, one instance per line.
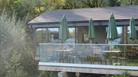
x=102, y=23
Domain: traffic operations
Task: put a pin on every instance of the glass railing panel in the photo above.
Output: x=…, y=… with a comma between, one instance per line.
x=121, y=54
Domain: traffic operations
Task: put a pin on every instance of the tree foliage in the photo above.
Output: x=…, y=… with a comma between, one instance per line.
x=69, y=4
x=128, y=2
x=14, y=68
x=13, y=40
x=32, y=8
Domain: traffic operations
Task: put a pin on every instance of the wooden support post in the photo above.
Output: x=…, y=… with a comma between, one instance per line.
x=62, y=74
x=47, y=35
x=76, y=39
x=124, y=35
x=77, y=74
x=124, y=40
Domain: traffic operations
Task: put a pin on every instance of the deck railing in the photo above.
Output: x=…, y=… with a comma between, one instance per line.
x=120, y=54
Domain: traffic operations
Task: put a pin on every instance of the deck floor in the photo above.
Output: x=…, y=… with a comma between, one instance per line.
x=88, y=68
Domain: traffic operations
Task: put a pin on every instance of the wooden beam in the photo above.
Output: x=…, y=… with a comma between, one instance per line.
x=89, y=68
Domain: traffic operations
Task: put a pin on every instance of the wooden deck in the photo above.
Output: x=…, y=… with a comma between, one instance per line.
x=88, y=68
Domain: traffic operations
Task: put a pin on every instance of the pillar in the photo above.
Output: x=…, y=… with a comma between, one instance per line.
x=47, y=35
x=124, y=35
x=76, y=41
x=62, y=74
x=124, y=39
x=77, y=74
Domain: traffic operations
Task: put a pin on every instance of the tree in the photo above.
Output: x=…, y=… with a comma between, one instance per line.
x=14, y=68
x=53, y=4
x=13, y=38
x=128, y=2
x=2, y=66
x=22, y=8
x=113, y=3
x=69, y=4
x=9, y=35
x=92, y=3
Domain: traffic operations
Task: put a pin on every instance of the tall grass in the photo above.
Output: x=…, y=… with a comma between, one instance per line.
x=12, y=33
x=13, y=39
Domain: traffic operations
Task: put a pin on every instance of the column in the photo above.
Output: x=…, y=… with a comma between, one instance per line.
x=77, y=74
x=47, y=35
x=124, y=35
x=62, y=74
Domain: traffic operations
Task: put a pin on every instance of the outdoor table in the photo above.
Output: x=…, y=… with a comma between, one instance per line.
x=62, y=53
x=113, y=55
